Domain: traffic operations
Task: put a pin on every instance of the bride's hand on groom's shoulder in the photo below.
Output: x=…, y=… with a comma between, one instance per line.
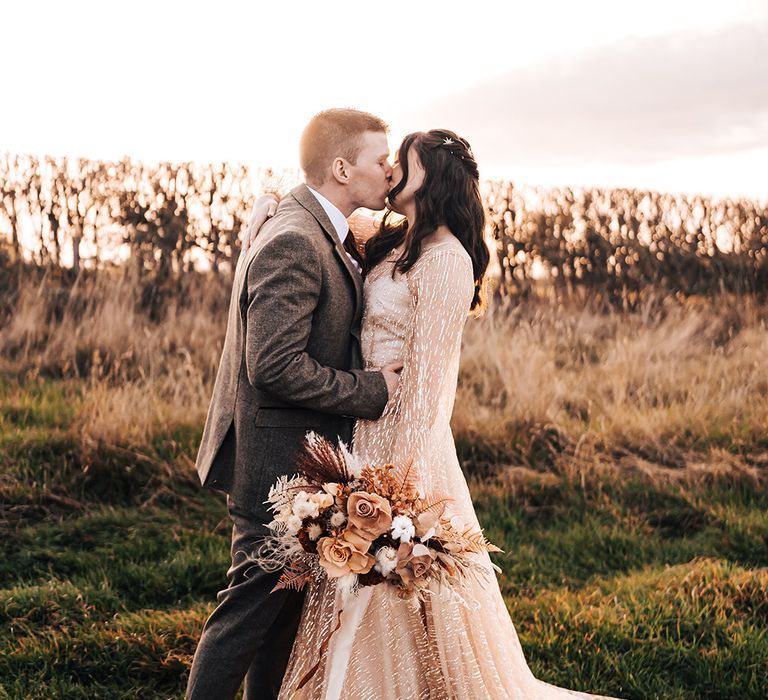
x=264, y=207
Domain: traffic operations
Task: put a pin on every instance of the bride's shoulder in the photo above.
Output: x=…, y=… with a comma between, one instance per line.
x=442, y=245
x=442, y=265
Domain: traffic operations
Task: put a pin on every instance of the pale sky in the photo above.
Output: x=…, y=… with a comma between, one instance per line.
x=670, y=94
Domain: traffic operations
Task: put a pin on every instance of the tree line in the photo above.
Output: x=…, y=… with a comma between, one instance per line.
x=620, y=242
x=171, y=217
x=160, y=218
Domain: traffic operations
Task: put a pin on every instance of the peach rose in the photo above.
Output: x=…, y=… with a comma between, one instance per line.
x=413, y=562
x=369, y=514
x=360, y=542
x=339, y=557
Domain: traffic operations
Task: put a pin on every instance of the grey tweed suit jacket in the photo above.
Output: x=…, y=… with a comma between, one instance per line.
x=291, y=360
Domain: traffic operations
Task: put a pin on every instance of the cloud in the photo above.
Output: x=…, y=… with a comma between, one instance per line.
x=638, y=101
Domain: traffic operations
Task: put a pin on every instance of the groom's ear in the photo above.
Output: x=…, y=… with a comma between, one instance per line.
x=340, y=170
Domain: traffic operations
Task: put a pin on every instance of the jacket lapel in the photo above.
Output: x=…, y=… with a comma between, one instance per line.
x=307, y=200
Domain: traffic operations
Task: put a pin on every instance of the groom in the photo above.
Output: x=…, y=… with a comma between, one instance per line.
x=291, y=363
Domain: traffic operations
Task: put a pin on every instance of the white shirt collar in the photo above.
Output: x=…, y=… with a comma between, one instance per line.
x=338, y=219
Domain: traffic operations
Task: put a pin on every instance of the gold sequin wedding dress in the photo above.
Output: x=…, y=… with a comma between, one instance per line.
x=388, y=648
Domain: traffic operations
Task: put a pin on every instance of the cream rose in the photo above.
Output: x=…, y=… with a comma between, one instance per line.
x=331, y=487
x=303, y=507
x=323, y=500
x=339, y=557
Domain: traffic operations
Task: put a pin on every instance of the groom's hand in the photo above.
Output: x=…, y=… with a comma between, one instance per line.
x=265, y=206
x=391, y=374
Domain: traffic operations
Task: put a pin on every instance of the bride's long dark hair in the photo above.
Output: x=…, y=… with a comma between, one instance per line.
x=449, y=195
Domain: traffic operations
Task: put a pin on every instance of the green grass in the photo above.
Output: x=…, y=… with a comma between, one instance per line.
x=625, y=585
x=47, y=469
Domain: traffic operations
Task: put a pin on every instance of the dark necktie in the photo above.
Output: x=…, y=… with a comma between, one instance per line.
x=350, y=245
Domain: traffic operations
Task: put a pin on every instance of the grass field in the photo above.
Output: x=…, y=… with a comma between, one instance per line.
x=619, y=461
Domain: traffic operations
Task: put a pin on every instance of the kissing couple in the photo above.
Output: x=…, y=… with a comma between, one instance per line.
x=358, y=342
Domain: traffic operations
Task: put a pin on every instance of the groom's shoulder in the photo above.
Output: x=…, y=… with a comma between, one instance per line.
x=292, y=214
x=291, y=224
x=288, y=237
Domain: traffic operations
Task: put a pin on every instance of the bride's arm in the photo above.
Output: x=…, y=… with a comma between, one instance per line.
x=264, y=207
x=443, y=285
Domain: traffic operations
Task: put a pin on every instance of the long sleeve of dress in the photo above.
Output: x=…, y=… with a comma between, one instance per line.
x=442, y=286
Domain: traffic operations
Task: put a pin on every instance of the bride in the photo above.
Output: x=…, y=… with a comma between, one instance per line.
x=424, y=274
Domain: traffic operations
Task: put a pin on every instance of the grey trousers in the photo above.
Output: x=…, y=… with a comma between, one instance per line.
x=251, y=632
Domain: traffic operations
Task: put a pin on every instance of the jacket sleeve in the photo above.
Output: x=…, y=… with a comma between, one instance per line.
x=283, y=286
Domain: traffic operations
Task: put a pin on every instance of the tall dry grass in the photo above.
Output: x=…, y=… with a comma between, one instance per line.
x=146, y=366
x=667, y=385
x=664, y=383
x=112, y=554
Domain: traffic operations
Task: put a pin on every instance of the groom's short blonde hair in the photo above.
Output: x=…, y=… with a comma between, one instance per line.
x=331, y=134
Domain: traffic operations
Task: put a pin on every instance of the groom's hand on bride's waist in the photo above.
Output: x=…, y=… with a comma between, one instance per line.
x=391, y=374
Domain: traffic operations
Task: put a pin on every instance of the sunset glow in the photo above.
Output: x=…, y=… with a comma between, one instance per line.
x=185, y=81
